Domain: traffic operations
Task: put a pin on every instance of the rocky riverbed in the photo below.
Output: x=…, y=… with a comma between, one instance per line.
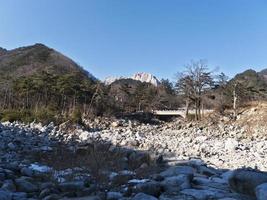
x=129, y=160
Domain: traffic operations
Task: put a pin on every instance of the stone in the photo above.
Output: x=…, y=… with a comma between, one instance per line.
x=175, y=197
x=114, y=195
x=202, y=194
x=19, y=196
x=231, y=144
x=4, y=195
x=44, y=193
x=52, y=197
x=176, y=183
x=10, y=174
x=245, y=181
x=178, y=170
x=46, y=148
x=261, y=191
x=9, y=186
x=25, y=186
x=84, y=198
x=46, y=185
x=115, y=124
x=142, y=196
x=11, y=146
x=2, y=176
x=207, y=170
x=151, y=188
x=25, y=171
x=71, y=186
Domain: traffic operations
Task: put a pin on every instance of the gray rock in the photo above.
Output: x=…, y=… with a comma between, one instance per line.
x=151, y=188
x=19, y=196
x=245, y=181
x=44, y=193
x=9, y=186
x=207, y=170
x=52, y=197
x=114, y=195
x=176, y=183
x=2, y=176
x=178, y=170
x=9, y=174
x=261, y=191
x=25, y=171
x=46, y=148
x=203, y=194
x=4, y=195
x=208, y=183
x=71, y=186
x=46, y=185
x=142, y=196
x=175, y=197
x=11, y=146
x=25, y=186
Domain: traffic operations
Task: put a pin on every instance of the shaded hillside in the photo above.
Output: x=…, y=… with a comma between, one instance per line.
x=39, y=82
x=25, y=61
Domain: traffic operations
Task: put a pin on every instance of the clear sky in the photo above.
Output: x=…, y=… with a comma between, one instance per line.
x=121, y=37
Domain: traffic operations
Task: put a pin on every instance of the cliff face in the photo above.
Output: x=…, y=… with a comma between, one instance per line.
x=146, y=77
x=142, y=77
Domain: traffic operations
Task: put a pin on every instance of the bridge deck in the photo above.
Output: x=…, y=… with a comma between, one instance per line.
x=177, y=112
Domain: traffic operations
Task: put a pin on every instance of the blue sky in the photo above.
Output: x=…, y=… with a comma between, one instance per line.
x=121, y=37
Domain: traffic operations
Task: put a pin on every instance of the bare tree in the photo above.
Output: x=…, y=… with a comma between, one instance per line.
x=184, y=87
x=193, y=83
x=221, y=85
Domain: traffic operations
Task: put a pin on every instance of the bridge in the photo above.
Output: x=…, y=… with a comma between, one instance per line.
x=179, y=112
x=169, y=113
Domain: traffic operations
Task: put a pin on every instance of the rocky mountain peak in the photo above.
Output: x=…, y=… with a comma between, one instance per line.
x=141, y=76
x=112, y=79
x=146, y=77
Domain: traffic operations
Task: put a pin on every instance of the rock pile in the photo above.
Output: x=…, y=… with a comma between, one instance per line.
x=174, y=174
x=222, y=145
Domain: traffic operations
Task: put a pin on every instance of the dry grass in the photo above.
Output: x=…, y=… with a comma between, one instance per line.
x=92, y=158
x=95, y=159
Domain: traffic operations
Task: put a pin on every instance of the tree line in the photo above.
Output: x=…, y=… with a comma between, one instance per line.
x=48, y=97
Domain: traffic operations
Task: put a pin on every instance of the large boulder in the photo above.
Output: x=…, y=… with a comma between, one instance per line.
x=142, y=196
x=245, y=181
x=114, y=195
x=178, y=170
x=261, y=191
x=151, y=188
x=176, y=183
x=71, y=186
x=24, y=185
x=19, y=196
x=204, y=194
x=175, y=197
x=4, y=195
